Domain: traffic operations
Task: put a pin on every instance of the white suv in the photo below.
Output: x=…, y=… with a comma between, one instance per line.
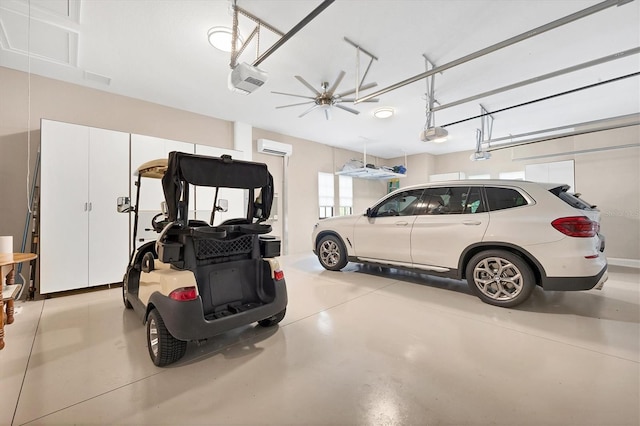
x=504, y=237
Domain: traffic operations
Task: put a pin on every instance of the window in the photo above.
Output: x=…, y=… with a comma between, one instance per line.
x=504, y=198
x=404, y=204
x=555, y=172
x=453, y=200
x=484, y=176
x=325, y=194
x=512, y=175
x=473, y=202
x=345, y=193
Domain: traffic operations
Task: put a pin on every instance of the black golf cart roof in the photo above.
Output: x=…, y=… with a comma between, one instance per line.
x=182, y=169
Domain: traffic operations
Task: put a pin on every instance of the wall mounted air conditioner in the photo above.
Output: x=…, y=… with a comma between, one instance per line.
x=266, y=146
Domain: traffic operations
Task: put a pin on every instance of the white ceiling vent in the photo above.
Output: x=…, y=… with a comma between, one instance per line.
x=266, y=146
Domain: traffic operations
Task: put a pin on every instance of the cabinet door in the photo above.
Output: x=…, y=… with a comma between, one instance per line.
x=108, y=229
x=143, y=149
x=64, y=201
x=204, y=196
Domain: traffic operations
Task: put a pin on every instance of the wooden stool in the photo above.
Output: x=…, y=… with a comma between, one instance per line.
x=11, y=290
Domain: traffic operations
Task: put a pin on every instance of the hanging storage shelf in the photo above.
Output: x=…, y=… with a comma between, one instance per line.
x=368, y=173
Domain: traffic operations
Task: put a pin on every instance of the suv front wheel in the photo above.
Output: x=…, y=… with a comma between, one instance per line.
x=332, y=253
x=500, y=278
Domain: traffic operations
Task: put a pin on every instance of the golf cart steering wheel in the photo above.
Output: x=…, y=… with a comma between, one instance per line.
x=158, y=225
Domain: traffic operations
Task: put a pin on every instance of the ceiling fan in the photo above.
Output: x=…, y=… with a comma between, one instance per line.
x=327, y=98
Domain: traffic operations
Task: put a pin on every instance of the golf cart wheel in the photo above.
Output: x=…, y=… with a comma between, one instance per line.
x=164, y=349
x=125, y=287
x=331, y=253
x=500, y=278
x=271, y=321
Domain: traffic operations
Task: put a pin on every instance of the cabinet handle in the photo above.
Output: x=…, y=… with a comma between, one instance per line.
x=86, y=206
x=90, y=206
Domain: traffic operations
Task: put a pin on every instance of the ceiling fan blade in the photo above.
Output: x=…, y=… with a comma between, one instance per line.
x=310, y=87
x=287, y=106
x=327, y=113
x=337, y=83
x=354, y=99
x=308, y=111
x=364, y=87
x=291, y=94
x=351, y=110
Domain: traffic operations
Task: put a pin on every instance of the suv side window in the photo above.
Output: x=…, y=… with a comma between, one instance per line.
x=473, y=202
x=504, y=198
x=453, y=200
x=402, y=204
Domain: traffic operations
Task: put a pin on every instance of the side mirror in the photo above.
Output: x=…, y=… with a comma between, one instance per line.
x=222, y=205
x=370, y=212
x=124, y=205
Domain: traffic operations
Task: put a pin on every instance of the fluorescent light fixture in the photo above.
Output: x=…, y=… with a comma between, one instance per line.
x=220, y=38
x=384, y=112
x=434, y=134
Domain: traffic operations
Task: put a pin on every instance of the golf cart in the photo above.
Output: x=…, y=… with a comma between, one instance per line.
x=198, y=280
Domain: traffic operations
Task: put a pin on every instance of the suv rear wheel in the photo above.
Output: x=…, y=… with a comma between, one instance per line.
x=500, y=278
x=332, y=253
x=164, y=349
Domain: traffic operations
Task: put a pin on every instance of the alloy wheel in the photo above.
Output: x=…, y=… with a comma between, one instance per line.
x=498, y=278
x=330, y=253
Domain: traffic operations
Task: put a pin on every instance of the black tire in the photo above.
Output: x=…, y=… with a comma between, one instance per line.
x=271, y=321
x=501, y=278
x=164, y=349
x=331, y=253
x=126, y=302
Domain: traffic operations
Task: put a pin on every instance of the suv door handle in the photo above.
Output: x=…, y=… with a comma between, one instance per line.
x=471, y=222
x=402, y=223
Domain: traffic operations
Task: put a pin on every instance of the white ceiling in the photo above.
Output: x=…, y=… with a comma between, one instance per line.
x=158, y=51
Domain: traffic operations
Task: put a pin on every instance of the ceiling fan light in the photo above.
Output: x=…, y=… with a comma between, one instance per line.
x=220, y=38
x=434, y=134
x=384, y=112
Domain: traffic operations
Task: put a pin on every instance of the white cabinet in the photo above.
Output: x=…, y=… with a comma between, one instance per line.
x=143, y=149
x=83, y=240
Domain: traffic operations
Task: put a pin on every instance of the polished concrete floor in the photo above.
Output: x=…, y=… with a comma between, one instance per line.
x=360, y=346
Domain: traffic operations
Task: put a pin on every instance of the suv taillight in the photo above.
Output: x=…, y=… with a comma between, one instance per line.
x=184, y=294
x=576, y=226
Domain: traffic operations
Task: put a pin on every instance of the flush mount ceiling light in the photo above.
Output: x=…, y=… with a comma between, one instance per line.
x=220, y=38
x=384, y=112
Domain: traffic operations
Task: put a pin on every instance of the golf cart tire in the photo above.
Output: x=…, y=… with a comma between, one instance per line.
x=167, y=349
x=126, y=302
x=273, y=320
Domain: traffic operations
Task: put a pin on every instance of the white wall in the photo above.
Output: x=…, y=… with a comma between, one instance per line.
x=610, y=179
